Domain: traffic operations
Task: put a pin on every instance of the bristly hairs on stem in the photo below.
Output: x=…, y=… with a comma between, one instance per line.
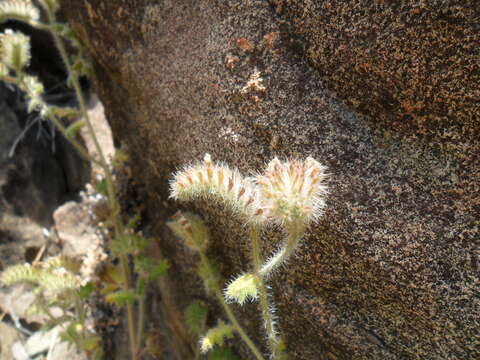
x=290, y=194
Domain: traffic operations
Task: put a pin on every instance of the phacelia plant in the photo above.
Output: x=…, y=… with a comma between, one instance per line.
x=288, y=194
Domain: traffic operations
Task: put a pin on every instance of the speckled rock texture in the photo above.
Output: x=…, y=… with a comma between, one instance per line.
x=384, y=93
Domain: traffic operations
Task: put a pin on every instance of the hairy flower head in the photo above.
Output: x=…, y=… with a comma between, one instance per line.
x=216, y=336
x=209, y=180
x=19, y=10
x=293, y=191
x=14, y=49
x=191, y=229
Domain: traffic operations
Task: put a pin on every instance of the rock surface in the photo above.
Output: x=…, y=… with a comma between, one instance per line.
x=9, y=337
x=391, y=272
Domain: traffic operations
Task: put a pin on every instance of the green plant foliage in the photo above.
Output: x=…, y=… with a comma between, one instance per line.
x=56, y=282
x=210, y=274
x=75, y=128
x=134, y=221
x=128, y=244
x=222, y=353
x=150, y=268
x=101, y=187
x=85, y=291
x=216, y=336
x=196, y=317
x=120, y=158
x=121, y=297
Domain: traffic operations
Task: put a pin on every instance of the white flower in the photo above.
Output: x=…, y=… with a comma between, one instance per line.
x=293, y=191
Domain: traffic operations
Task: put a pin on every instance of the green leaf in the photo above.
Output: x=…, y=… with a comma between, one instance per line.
x=134, y=221
x=152, y=268
x=121, y=297
x=222, y=353
x=196, y=317
x=159, y=269
x=128, y=244
x=85, y=291
x=70, y=334
x=74, y=128
x=119, y=158
x=64, y=112
x=91, y=343
x=101, y=187
x=141, y=285
x=113, y=275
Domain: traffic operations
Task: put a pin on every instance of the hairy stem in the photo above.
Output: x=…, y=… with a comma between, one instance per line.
x=113, y=205
x=262, y=294
x=56, y=122
x=295, y=232
x=231, y=316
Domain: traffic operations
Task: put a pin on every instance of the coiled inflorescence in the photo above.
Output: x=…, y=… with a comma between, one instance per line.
x=292, y=191
x=216, y=181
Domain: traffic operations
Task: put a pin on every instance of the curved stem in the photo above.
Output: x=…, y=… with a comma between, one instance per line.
x=295, y=232
x=262, y=294
x=229, y=312
x=58, y=124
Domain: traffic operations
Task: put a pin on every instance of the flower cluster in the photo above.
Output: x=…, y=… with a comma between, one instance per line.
x=216, y=181
x=15, y=49
x=293, y=191
x=287, y=192
x=22, y=10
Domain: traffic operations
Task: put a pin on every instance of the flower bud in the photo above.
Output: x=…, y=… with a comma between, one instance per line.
x=242, y=288
x=191, y=229
x=216, y=336
x=15, y=49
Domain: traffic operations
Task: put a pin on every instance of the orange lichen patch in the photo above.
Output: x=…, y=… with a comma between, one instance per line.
x=409, y=107
x=244, y=45
x=271, y=38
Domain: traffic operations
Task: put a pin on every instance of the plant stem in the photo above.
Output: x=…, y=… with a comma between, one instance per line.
x=72, y=141
x=262, y=293
x=231, y=316
x=58, y=124
x=130, y=318
x=140, y=321
x=113, y=205
x=295, y=232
